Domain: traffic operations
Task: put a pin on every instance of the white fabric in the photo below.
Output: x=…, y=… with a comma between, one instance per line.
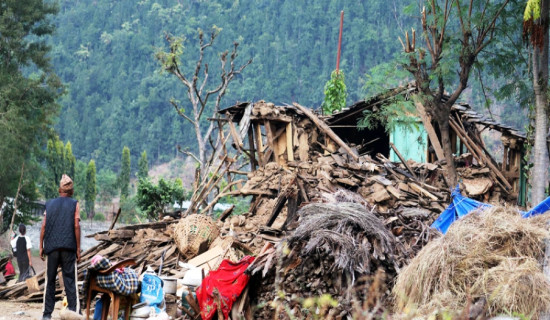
x=14, y=243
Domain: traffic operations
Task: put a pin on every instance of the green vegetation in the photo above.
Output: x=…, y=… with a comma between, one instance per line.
x=117, y=97
x=335, y=93
x=29, y=89
x=153, y=199
x=143, y=166
x=124, y=175
x=91, y=189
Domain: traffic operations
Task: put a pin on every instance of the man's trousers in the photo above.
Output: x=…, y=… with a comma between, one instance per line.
x=67, y=260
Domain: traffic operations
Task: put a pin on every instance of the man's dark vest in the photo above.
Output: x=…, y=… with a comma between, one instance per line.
x=59, y=231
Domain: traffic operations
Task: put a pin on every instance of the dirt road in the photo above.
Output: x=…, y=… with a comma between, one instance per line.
x=15, y=310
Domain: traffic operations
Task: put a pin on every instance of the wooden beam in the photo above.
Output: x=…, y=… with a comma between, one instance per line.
x=235, y=135
x=252, y=155
x=115, y=218
x=403, y=160
x=289, y=144
x=427, y=121
x=326, y=129
x=259, y=144
x=489, y=162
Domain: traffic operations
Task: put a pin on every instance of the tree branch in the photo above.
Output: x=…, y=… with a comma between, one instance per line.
x=180, y=112
x=189, y=153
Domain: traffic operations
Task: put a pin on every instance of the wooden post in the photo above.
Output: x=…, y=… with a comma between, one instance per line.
x=402, y=160
x=289, y=144
x=326, y=129
x=253, y=162
x=259, y=144
x=340, y=41
x=115, y=218
x=427, y=121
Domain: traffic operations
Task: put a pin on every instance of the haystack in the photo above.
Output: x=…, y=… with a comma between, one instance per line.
x=492, y=255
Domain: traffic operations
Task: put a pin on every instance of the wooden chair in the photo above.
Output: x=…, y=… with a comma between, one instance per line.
x=108, y=295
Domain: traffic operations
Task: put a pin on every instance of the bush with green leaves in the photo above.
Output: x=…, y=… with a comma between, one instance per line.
x=153, y=199
x=99, y=217
x=335, y=93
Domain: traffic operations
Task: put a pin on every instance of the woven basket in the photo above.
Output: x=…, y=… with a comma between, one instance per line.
x=193, y=232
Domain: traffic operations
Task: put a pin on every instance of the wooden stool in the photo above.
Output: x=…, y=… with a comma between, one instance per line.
x=108, y=295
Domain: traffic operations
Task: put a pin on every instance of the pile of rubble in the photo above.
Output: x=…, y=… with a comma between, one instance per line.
x=311, y=195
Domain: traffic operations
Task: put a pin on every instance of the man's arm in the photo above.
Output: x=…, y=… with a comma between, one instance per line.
x=77, y=230
x=42, y=231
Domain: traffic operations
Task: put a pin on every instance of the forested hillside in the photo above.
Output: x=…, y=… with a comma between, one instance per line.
x=104, y=52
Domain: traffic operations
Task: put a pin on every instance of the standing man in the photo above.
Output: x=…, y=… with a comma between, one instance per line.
x=22, y=248
x=60, y=242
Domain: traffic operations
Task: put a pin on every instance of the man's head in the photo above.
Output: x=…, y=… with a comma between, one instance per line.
x=66, y=185
x=22, y=229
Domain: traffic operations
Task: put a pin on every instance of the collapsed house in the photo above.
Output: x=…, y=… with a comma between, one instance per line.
x=306, y=170
x=421, y=143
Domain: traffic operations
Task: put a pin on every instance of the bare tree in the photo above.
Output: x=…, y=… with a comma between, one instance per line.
x=197, y=92
x=477, y=24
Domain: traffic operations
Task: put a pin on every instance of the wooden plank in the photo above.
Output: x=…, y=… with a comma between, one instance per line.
x=235, y=136
x=226, y=213
x=244, y=124
x=115, y=219
x=281, y=142
x=289, y=144
x=209, y=255
x=418, y=189
x=270, y=141
x=253, y=162
x=395, y=192
x=326, y=129
x=488, y=160
x=303, y=147
x=403, y=160
x=426, y=120
x=259, y=144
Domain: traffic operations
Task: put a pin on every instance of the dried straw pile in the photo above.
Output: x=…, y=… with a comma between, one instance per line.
x=356, y=238
x=493, y=254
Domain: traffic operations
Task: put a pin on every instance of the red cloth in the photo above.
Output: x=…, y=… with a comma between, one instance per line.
x=9, y=270
x=230, y=281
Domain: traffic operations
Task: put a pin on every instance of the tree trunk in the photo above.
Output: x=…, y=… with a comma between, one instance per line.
x=2, y=198
x=539, y=175
x=15, y=200
x=443, y=123
x=201, y=144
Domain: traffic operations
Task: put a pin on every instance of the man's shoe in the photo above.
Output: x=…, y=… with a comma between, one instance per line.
x=46, y=317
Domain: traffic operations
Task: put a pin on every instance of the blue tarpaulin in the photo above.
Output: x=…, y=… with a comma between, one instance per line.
x=538, y=209
x=459, y=207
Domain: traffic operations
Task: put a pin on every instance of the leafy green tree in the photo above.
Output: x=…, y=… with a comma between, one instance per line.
x=28, y=89
x=69, y=160
x=143, y=166
x=79, y=181
x=91, y=189
x=106, y=185
x=153, y=199
x=335, y=93
x=55, y=166
x=535, y=29
x=124, y=175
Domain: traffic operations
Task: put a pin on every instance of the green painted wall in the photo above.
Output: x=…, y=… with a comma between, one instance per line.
x=410, y=140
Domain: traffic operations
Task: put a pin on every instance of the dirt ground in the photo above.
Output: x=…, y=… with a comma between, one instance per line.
x=16, y=310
